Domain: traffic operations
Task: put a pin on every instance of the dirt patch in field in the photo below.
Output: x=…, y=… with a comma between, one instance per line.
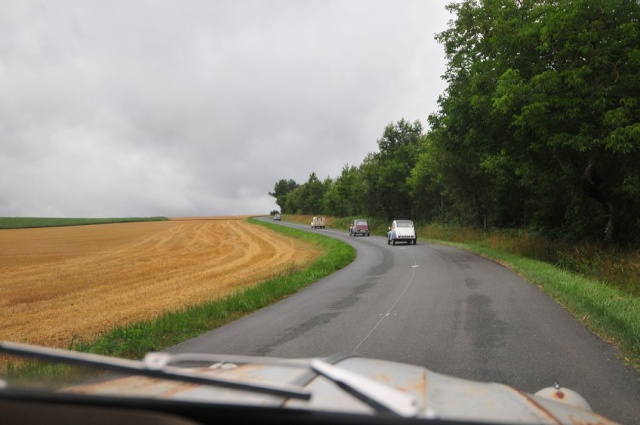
x=65, y=282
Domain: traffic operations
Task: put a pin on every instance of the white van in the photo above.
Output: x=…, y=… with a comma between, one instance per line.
x=317, y=222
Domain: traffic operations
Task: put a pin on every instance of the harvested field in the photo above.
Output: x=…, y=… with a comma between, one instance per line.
x=62, y=283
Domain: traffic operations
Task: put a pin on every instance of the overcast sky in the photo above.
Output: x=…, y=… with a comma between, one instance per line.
x=126, y=108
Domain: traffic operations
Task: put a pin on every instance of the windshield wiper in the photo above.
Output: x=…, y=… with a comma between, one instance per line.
x=375, y=394
x=154, y=365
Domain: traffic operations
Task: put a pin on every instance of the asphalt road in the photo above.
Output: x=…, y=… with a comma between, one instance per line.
x=435, y=306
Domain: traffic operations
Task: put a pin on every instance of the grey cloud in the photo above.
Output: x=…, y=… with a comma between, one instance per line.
x=131, y=108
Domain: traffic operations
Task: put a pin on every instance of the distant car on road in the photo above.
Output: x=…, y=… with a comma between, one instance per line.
x=317, y=222
x=276, y=217
x=359, y=227
x=402, y=231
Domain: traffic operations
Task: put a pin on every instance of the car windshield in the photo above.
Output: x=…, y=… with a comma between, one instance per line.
x=162, y=162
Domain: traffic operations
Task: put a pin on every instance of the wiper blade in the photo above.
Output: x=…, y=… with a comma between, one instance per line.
x=154, y=365
x=235, y=359
x=374, y=393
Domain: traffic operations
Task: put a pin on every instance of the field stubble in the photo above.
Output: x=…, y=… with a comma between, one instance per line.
x=76, y=282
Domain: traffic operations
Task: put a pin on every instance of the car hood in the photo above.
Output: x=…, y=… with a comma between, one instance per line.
x=346, y=383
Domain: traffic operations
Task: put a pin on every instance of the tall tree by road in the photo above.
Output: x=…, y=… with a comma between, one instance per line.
x=282, y=188
x=543, y=99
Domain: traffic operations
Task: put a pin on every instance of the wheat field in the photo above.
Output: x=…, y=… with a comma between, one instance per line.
x=62, y=283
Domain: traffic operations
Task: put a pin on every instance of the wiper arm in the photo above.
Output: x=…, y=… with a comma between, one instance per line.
x=371, y=392
x=154, y=365
x=235, y=359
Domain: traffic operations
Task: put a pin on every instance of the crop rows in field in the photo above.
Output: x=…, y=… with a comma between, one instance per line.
x=61, y=283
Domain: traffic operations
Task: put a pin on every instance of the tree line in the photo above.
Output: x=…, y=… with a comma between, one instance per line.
x=538, y=128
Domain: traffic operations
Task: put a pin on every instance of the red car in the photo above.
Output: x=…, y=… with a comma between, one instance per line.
x=359, y=227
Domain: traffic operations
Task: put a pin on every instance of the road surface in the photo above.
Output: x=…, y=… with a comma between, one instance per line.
x=435, y=306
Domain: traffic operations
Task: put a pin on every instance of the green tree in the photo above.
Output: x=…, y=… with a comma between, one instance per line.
x=542, y=106
x=306, y=198
x=427, y=183
x=399, y=151
x=313, y=195
x=584, y=108
x=281, y=190
x=339, y=198
x=366, y=186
